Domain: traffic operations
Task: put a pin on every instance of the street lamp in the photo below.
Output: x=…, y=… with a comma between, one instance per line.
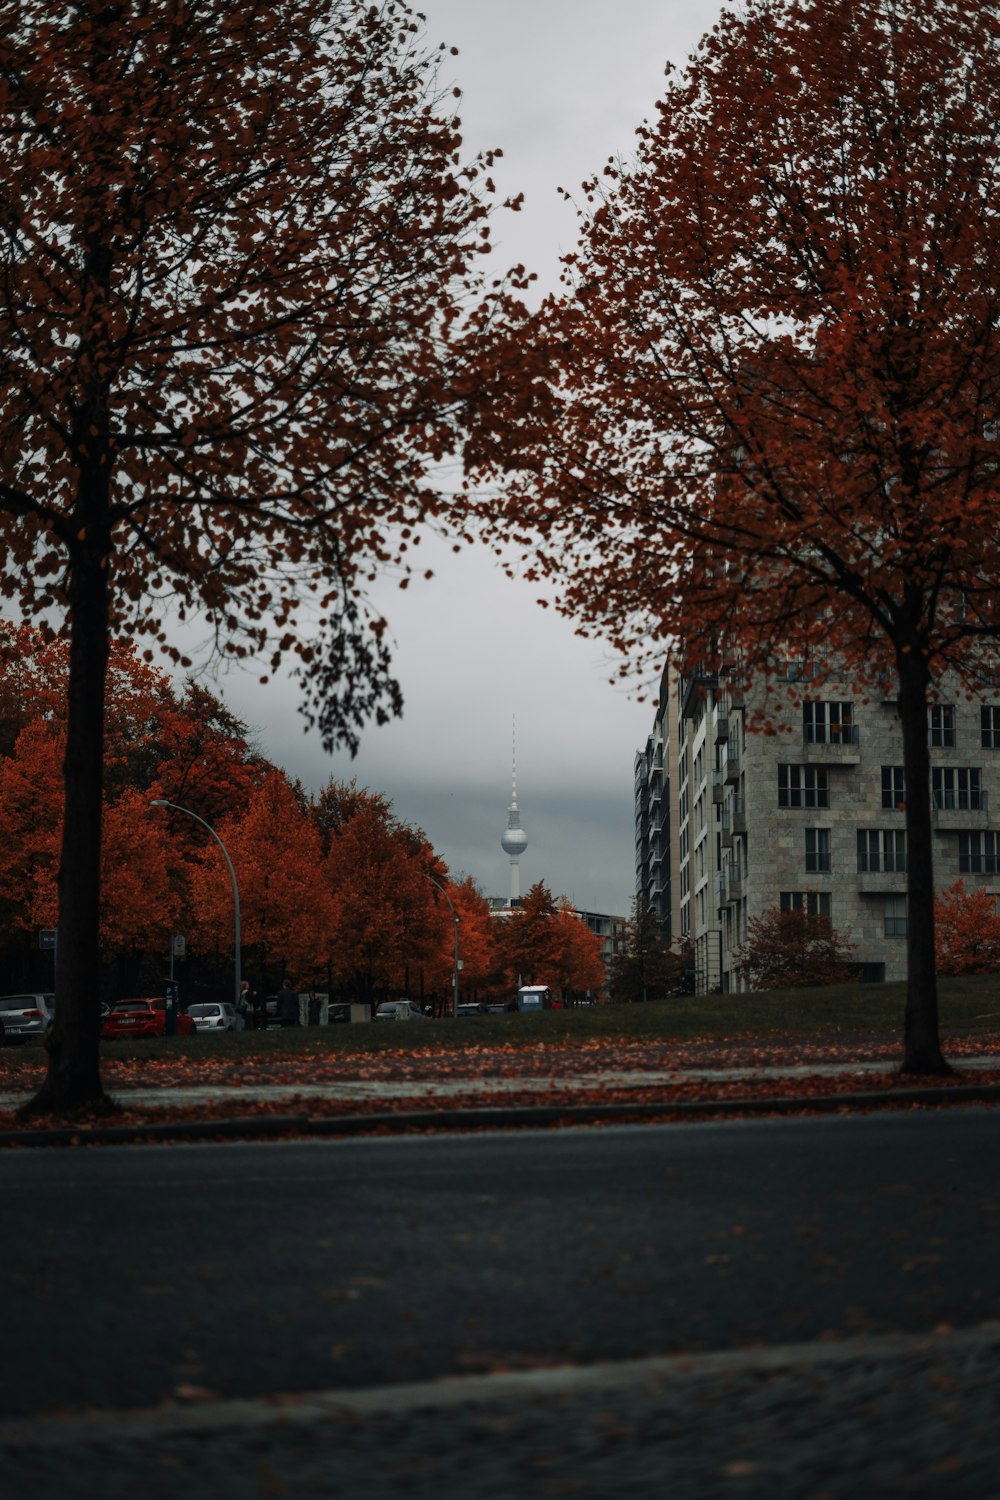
x=232, y=875
x=454, y=918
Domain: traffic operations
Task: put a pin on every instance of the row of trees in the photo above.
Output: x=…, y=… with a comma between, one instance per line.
x=334, y=888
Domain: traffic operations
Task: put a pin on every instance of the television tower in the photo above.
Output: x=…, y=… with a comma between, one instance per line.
x=515, y=840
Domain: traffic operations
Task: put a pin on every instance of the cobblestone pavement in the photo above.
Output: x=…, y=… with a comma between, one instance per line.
x=894, y=1416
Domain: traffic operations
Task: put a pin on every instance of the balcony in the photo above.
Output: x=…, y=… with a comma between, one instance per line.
x=732, y=771
x=721, y=728
x=696, y=691
x=953, y=812
x=730, y=884
x=718, y=787
x=840, y=747
x=739, y=814
x=882, y=880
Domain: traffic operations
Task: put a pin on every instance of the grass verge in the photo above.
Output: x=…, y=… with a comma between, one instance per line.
x=969, y=1004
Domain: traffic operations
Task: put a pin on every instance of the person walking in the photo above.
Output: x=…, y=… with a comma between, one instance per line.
x=288, y=1004
x=244, y=1004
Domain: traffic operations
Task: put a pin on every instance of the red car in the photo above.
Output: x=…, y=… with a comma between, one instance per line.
x=143, y=1018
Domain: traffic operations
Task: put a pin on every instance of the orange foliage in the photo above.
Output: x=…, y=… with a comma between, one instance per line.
x=285, y=909
x=544, y=942
x=968, y=931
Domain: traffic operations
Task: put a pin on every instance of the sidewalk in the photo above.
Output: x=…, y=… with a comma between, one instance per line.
x=256, y=1111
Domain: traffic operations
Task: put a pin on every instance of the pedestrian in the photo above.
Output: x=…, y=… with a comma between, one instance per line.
x=244, y=1004
x=288, y=1004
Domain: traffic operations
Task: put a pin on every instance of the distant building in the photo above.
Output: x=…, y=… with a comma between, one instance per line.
x=730, y=824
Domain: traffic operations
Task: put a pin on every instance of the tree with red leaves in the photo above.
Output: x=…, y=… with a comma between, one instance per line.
x=388, y=918
x=794, y=950
x=285, y=909
x=544, y=941
x=236, y=244
x=968, y=931
x=766, y=408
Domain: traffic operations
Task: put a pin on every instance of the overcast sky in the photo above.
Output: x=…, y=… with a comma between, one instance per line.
x=560, y=85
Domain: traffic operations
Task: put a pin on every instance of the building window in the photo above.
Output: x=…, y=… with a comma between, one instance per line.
x=895, y=916
x=894, y=788
x=803, y=786
x=817, y=851
x=814, y=903
x=942, y=725
x=829, y=724
x=958, y=787
x=979, y=853
x=989, y=727
x=882, y=849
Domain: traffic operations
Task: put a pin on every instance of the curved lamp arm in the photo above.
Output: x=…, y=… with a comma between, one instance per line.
x=232, y=875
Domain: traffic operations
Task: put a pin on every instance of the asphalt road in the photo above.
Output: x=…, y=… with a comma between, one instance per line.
x=185, y=1274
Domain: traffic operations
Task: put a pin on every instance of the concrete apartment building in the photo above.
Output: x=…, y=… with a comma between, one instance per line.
x=731, y=822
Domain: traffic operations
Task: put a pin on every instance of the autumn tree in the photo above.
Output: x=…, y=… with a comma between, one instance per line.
x=645, y=966
x=235, y=245
x=581, y=968
x=286, y=911
x=793, y=950
x=766, y=406
x=968, y=931
x=476, y=939
x=544, y=941
x=388, y=920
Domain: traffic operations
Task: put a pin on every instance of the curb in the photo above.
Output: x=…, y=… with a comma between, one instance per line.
x=262, y=1127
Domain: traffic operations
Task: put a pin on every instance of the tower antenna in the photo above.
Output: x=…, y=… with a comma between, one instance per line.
x=515, y=840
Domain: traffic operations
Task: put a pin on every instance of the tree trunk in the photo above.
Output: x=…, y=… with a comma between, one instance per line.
x=921, y=1042
x=73, y=1082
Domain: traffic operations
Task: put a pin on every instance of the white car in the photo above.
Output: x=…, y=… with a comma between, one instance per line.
x=25, y=1018
x=399, y=1010
x=213, y=1015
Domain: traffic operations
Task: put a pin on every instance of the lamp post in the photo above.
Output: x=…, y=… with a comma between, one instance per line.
x=454, y=918
x=232, y=875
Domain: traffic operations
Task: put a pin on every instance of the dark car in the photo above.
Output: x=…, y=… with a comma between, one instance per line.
x=471, y=1008
x=25, y=1018
x=147, y=1017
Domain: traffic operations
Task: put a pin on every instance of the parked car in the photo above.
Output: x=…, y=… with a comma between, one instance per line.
x=25, y=1018
x=143, y=1018
x=215, y=1015
x=399, y=1010
x=471, y=1008
x=500, y=1007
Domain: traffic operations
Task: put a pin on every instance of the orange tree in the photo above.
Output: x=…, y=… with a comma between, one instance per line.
x=581, y=967
x=476, y=942
x=968, y=931
x=543, y=941
x=388, y=920
x=766, y=406
x=234, y=255
x=285, y=908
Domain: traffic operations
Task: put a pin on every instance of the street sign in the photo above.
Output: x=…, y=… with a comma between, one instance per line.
x=178, y=945
x=47, y=937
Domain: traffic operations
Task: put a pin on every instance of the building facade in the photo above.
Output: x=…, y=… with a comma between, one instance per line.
x=810, y=812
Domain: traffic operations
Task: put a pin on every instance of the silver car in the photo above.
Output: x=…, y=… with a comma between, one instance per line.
x=214, y=1016
x=25, y=1018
